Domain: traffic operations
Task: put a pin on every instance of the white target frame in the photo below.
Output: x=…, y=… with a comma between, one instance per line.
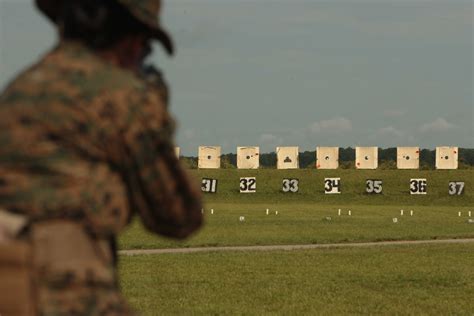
x=209, y=157
x=248, y=157
x=367, y=158
x=327, y=157
x=287, y=157
x=447, y=157
x=408, y=157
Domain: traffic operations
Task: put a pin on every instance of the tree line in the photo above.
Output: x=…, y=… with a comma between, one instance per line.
x=307, y=159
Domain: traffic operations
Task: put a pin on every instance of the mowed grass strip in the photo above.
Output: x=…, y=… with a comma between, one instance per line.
x=389, y=280
x=311, y=224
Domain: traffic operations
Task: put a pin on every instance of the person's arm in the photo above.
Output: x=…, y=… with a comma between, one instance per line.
x=159, y=189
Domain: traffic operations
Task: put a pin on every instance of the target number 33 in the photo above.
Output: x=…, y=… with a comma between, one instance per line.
x=290, y=185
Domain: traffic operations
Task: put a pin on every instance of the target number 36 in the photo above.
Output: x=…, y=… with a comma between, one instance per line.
x=290, y=185
x=373, y=186
x=248, y=185
x=418, y=186
x=456, y=188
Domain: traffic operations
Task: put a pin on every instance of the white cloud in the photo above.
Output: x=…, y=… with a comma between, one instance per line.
x=335, y=125
x=438, y=125
x=269, y=139
x=390, y=131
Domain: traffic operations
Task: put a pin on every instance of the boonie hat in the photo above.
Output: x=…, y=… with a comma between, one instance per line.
x=146, y=11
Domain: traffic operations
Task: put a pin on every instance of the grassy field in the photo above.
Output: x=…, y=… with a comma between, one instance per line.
x=390, y=280
x=310, y=216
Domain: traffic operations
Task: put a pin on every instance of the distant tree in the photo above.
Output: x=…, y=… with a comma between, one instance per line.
x=346, y=154
x=307, y=159
x=189, y=162
x=229, y=161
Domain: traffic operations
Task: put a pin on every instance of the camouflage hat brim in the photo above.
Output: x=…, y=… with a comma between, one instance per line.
x=51, y=9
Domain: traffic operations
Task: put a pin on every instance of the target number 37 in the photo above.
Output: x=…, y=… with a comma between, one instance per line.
x=290, y=185
x=456, y=188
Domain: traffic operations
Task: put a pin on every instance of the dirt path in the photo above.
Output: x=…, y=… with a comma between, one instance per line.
x=292, y=247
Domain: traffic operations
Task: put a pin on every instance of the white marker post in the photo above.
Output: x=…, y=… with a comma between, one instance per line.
x=469, y=213
x=339, y=212
x=212, y=211
x=276, y=212
x=349, y=213
x=401, y=212
x=411, y=213
x=459, y=214
x=268, y=211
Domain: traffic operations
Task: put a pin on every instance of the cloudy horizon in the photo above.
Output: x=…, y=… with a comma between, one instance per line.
x=306, y=73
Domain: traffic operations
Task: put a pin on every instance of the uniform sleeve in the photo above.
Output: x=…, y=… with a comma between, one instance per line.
x=159, y=189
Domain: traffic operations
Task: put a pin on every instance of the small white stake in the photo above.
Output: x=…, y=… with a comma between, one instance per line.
x=276, y=212
x=349, y=213
x=212, y=211
x=401, y=212
x=469, y=213
x=268, y=211
x=411, y=213
x=459, y=214
x=339, y=212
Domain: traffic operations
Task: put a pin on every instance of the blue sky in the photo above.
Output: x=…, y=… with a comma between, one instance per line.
x=304, y=73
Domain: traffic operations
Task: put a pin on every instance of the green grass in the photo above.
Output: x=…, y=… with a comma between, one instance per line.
x=308, y=224
x=390, y=280
x=302, y=216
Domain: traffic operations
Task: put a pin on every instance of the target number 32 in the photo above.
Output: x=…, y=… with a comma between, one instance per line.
x=248, y=185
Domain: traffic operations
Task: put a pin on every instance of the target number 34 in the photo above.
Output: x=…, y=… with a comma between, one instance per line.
x=332, y=185
x=290, y=185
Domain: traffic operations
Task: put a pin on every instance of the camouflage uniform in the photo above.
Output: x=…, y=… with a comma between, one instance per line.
x=84, y=145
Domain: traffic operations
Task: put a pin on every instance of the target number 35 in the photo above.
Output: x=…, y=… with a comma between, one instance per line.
x=373, y=186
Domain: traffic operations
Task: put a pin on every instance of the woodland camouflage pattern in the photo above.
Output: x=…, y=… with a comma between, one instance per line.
x=90, y=142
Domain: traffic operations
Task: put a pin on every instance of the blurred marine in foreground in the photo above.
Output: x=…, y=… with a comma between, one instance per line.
x=86, y=143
